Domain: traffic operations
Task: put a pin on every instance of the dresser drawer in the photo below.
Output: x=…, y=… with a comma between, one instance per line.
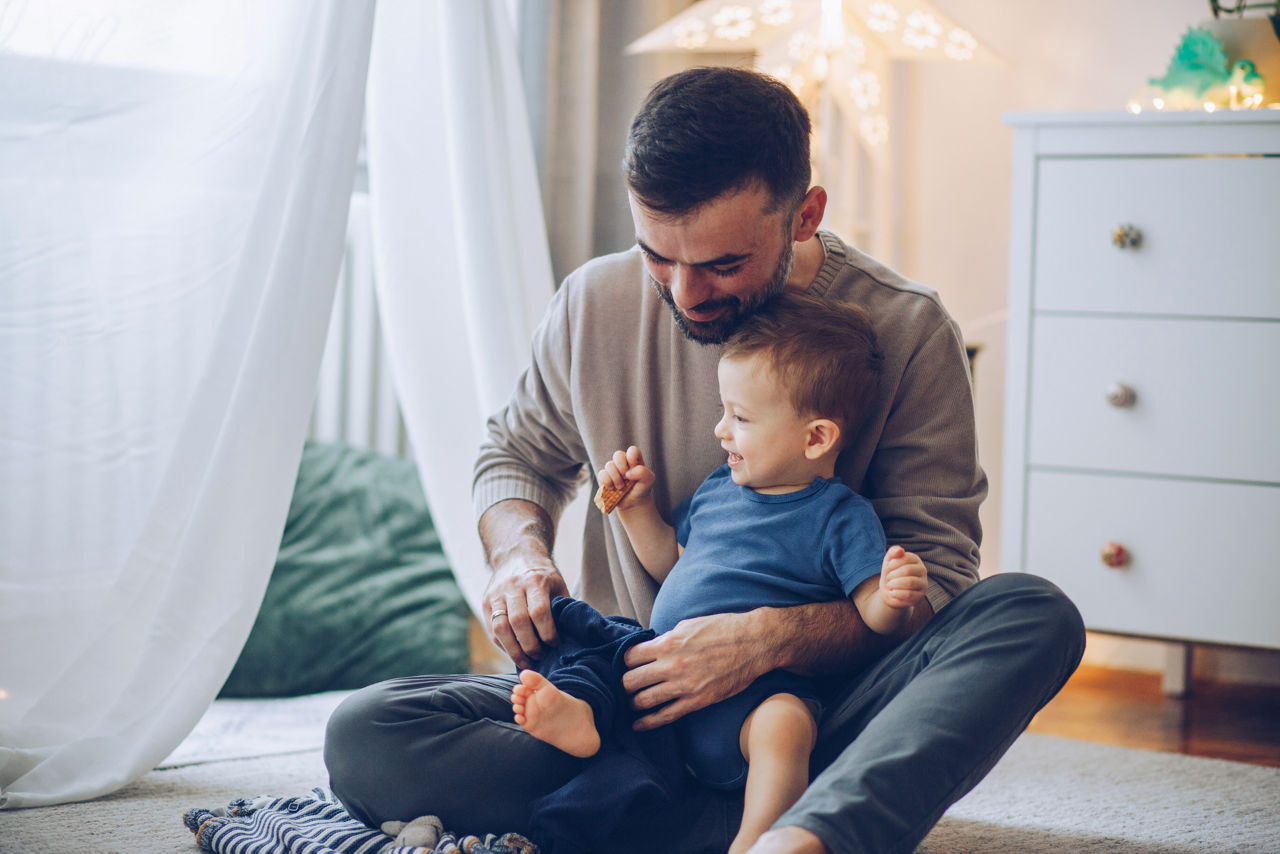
x=1202, y=560
x=1209, y=225
x=1207, y=400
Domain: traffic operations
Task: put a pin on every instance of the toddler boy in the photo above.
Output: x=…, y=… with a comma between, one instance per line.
x=771, y=527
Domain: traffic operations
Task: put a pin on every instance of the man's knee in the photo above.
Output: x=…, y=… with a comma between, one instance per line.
x=1041, y=598
x=350, y=746
x=350, y=723
x=385, y=717
x=1029, y=607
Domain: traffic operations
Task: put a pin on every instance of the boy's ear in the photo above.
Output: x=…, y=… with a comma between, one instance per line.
x=824, y=435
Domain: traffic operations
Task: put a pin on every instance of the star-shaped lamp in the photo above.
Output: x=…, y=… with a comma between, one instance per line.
x=836, y=55
x=841, y=45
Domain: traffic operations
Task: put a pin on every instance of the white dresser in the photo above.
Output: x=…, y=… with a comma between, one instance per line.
x=1142, y=405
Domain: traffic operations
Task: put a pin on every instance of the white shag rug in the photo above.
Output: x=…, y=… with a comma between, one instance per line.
x=1046, y=796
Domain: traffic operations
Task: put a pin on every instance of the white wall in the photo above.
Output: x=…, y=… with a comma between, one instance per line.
x=955, y=156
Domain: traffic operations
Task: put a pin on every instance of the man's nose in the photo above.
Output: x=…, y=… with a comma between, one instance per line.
x=688, y=286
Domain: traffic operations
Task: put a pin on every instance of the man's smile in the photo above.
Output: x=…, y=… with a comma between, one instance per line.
x=708, y=311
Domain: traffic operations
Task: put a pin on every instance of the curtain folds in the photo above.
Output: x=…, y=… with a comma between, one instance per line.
x=175, y=181
x=583, y=90
x=460, y=256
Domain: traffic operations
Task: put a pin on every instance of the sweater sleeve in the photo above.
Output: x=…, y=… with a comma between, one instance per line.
x=532, y=448
x=925, y=480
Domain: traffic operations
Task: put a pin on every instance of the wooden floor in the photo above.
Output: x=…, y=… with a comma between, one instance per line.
x=1236, y=722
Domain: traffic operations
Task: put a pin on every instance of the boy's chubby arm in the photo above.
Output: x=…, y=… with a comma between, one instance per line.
x=886, y=601
x=653, y=540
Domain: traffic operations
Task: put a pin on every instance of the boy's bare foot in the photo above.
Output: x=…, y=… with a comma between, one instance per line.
x=549, y=714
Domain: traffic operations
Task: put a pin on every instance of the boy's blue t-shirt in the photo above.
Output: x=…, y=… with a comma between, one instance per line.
x=746, y=550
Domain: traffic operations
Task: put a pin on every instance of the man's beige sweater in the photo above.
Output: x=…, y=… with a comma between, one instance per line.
x=610, y=369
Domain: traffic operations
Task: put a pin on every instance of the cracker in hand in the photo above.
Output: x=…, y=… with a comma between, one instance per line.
x=608, y=497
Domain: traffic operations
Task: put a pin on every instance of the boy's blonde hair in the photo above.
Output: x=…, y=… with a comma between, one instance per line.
x=823, y=352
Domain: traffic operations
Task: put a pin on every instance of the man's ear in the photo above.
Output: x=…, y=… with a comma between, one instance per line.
x=808, y=215
x=824, y=435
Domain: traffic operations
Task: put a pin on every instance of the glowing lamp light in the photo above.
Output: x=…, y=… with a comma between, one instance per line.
x=837, y=56
x=691, y=35
x=775, y=13
x=905, y=29
x=883, y=17
x=874, y=129
x=845, y=44
x=960, y=45
x=733, y=23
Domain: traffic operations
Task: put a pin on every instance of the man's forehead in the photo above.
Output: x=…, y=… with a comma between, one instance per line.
x=718, y=233
x=752, y=201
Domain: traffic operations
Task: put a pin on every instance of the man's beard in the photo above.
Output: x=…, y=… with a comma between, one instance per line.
x=718, y=331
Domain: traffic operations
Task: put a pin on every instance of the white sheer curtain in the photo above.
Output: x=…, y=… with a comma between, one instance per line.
x=460, y=249
x=174, y=179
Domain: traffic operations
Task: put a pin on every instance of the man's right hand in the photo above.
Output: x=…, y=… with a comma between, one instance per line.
x=517, y=602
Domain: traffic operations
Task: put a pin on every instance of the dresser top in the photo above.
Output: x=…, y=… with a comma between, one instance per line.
x=1147, y=118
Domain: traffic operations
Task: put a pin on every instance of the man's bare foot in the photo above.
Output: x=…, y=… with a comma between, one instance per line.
x=549, y=714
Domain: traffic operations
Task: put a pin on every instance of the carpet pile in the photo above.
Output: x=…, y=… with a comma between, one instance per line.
x=1047, y=795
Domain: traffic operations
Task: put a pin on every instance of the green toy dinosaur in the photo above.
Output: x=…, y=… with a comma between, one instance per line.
x=1199, y=64
x=1199, y=73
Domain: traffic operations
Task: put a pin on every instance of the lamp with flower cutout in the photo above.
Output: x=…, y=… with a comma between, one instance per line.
x=837, y=56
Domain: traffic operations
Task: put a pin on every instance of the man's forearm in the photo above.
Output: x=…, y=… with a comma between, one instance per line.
x=515, y=528
x=517, y=537
x=825, y=637
x=706, y=659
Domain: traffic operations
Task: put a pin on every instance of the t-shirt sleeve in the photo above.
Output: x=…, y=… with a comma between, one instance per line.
x=854, y=543
x=680, y=518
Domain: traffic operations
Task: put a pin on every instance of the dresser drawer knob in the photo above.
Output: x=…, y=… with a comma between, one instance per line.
x=1121, y=396
x=1115, y=555
x=1126, y=236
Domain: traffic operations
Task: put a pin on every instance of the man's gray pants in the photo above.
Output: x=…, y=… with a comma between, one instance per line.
x=903, y=741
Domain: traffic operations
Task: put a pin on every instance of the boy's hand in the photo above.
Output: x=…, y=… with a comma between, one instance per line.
x=626, y=466
x=903, y=578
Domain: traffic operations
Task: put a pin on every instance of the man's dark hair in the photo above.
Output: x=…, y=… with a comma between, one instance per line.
x=823, y=352
x=707, y=131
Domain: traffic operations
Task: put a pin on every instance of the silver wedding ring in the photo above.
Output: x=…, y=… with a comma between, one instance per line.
x=496, y=614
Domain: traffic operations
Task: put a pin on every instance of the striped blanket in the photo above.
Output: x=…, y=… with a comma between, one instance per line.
x=318, y=824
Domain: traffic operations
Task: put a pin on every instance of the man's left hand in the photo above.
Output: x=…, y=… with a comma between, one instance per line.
x=701, y=661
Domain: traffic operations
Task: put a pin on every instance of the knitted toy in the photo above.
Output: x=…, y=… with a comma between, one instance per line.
x=423, y=832
x=427, y=833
